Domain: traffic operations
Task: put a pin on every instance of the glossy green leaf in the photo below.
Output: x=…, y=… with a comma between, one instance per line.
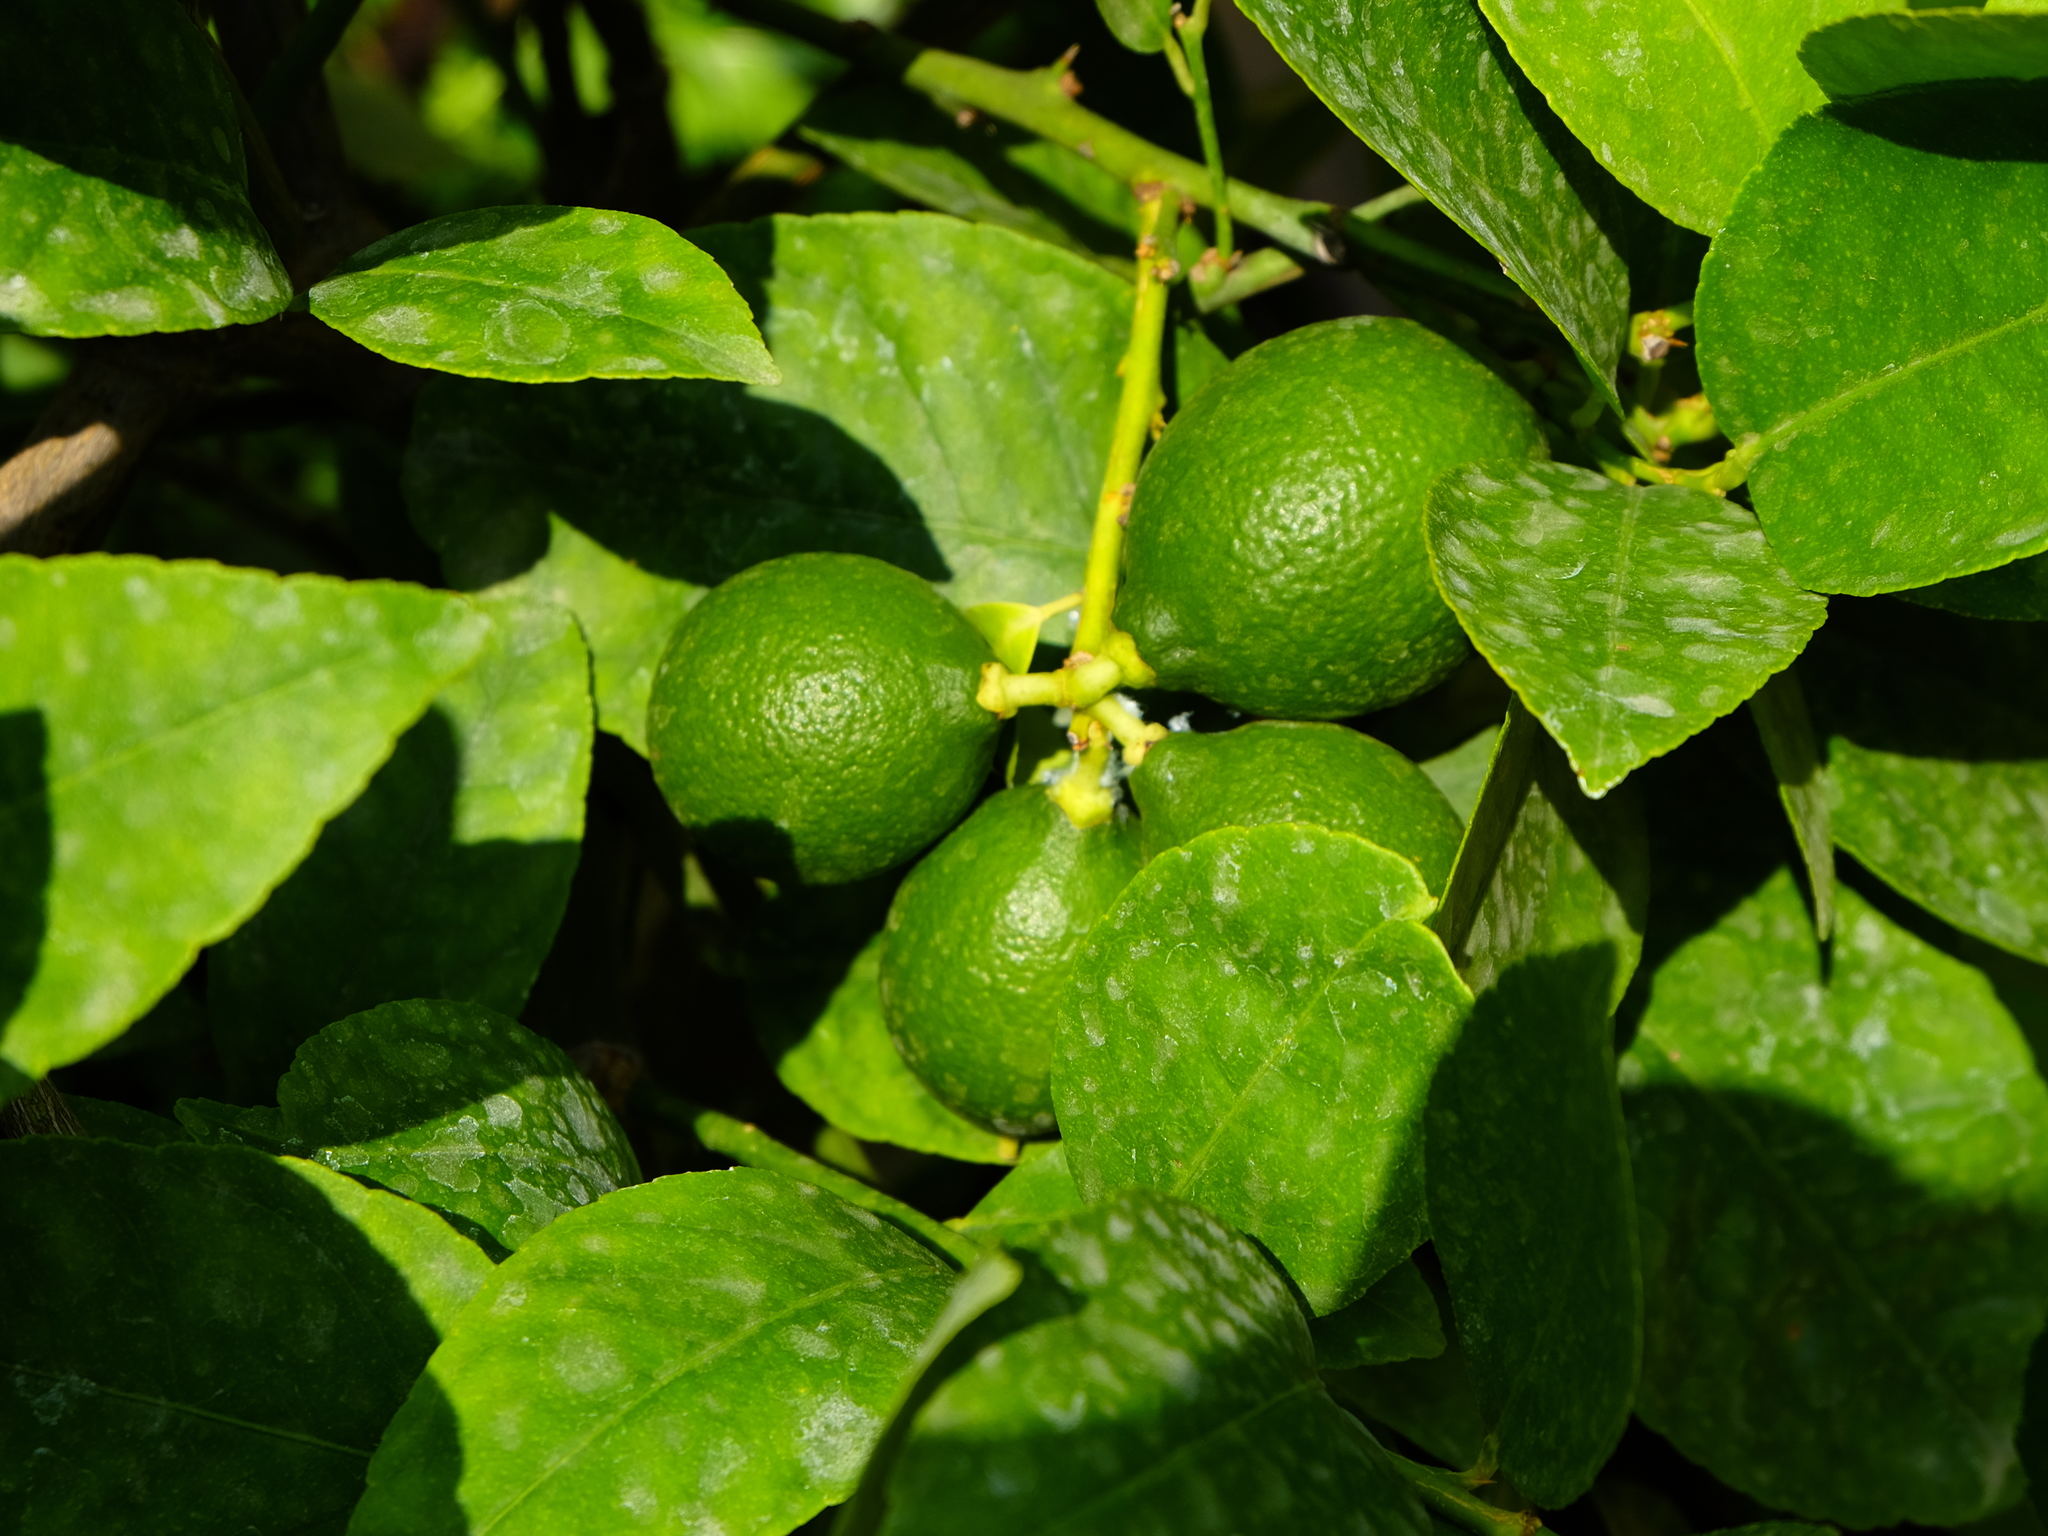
x=1396, y=1320
x=1866, y=55
x=1842, y=1172
x=1145, y=26
x=205, y=1339
x=1530, y=1204
x=1254, y=1027
x=1038, y=1190
x=1011, y=630
x=172, y=737
x=455, y=1106
x=1786, y=728
x=1679, y=101
x=709, y=1351
x=542, y=295
x=1156, y=1371
x=123, y=177
x=1870, y=323
x=1487, y=151
x=1938, y=781
x=1628, y=618
x=447, y=878
x=844, y=1065
x=947, y=395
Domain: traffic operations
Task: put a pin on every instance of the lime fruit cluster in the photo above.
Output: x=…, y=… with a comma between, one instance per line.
x=1275, y=557
x=1327, y=775
x=813, y=718
x=978, y=947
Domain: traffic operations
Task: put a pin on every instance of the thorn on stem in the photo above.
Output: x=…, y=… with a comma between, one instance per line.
x=966, y=117
x=1070, y=84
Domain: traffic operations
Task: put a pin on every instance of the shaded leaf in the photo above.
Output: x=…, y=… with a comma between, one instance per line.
x=1678, y=101
x=947, y=395
x=1254, y=1027
x=1842, y=1175
x=1146, y=1331
x=1396, y=1320
x=1530, y=1204
x=1145, y=26
x=579, y=1380
x=1038, y=1190
x=123, y=177
x=172, y=738
x=2016, y=591
x=843, y=1064
x=450, y=1104
x=447, y=877
x=1871, y=373
x=1431, y=1402
x=1782, y=721
x=543, y=295
x=1866, y=55
x=1628, y=618
x=205, y=1339
x=1489, y=152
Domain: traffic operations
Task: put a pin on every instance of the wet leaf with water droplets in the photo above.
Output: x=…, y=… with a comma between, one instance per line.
x=1628, y=618
x=205, y=1339
x=541, y=295
x=1254, y=1026
x=712, y=1351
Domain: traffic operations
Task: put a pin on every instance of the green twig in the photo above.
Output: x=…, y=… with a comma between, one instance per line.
x=1193, y=27
x=755, y=1148
x=302, y=60
x=1454, y=1497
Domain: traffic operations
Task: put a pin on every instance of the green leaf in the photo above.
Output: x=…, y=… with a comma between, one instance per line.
x=452, y=1105
x=1428, y=1401
x=1530, y=1204
x=1678, y=101
x=947, y=396
x=123, y=1122
x=1487, y=152
x=447, y=878
x=2016, y=591
x=1782, y=721
x=1628, y=618
x=1011, y=630
x=1938, y=781
x=1144, y=26
x=172, y=738
x=543, y=295
x=1866, y=55
x=1863, y=363
x=205, y=1339
x=1396, y=1320
x=122, y=174
x=1156, y=1371
x=715, y=1350
x=843, y=1064
x=1842, y=1170
x=1255, y=1024
x=1038, y=1190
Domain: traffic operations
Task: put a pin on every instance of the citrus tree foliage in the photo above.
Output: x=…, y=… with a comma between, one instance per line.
x=747, y=786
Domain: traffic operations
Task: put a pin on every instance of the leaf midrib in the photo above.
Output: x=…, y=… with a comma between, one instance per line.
x=190, y=1410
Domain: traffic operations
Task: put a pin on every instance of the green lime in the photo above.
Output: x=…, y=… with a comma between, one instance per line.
x=1273, y=770
x=814, y=718
x=1276, y=558
x=978, y=946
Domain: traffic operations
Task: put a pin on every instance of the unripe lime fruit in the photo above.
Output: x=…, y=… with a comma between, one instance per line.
x=1276, y=557
x=1272, y=770
x=814, y=718
x=978, y=947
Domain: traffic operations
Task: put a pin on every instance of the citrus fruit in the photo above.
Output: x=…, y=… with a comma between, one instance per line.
x=1273, y=770
x=1275, y=549
x=977, y=949
x=814, y=719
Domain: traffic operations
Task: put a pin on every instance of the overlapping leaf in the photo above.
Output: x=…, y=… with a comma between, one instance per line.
x=1255, y=1024
x=1868, y=55
x=1396, y=1320
x=450, y=1104
x=1678, y=101
x=122, y=174
x=1628, y=618
x=1485, y=150
x=1842, y=1173
x=1786, y=729
x=544, y=295
x=946, y=400
x=1530, y=1203
x=712, y=1350
x=172, y=738
x=205, y=1339
x=1871, y=329
x=1147, y=1330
